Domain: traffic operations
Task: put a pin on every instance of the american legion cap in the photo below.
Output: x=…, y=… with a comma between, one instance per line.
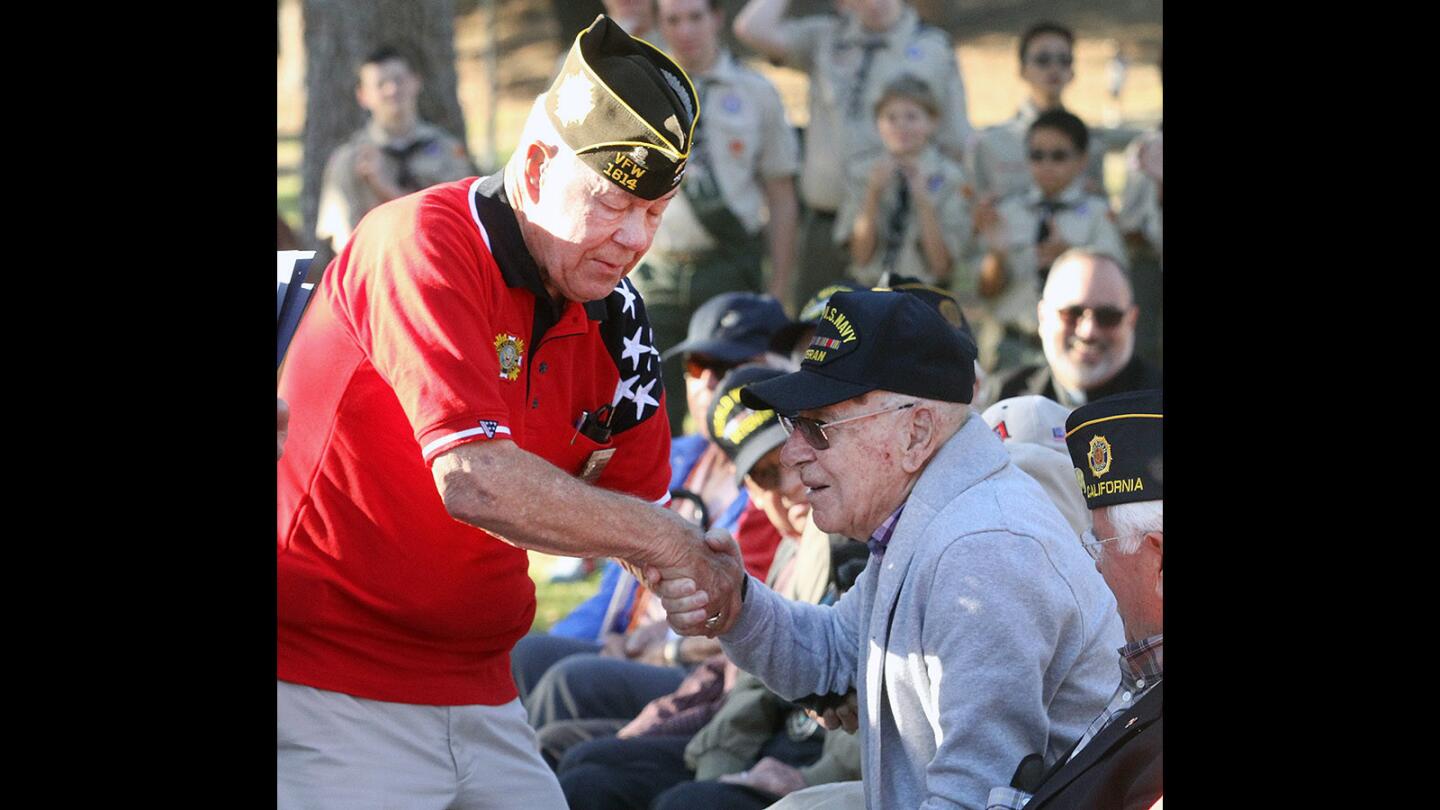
x=1117, y=446
x=874, y=340
x=626, y=109
x=743, y=433
x=732, y=327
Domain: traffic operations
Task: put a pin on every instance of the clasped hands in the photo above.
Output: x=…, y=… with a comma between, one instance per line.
x=701, y=592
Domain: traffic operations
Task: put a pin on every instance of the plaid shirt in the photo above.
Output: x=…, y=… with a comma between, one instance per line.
x=881, y=538
x=1140, y=669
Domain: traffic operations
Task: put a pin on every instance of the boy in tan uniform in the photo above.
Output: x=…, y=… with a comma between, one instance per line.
x=850, y=58
x=996, y=159
x=1028, y=231
x=904, y=211
x=394, y=154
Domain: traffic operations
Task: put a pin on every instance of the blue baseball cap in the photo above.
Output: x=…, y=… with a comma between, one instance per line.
x=874, y=340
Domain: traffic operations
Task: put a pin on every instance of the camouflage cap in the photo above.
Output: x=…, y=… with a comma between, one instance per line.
x=625, y=108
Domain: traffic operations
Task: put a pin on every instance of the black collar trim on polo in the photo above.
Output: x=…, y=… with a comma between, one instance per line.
x=507, y=245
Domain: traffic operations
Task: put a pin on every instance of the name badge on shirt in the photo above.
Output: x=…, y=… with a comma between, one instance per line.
x=595, y=464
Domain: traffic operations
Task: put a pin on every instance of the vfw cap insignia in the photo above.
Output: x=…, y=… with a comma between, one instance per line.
x=1099, y=455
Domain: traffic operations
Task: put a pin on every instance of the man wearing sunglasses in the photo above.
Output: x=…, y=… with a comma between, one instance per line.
x=1117, y=447
x=979, y=631
x=1087, y=320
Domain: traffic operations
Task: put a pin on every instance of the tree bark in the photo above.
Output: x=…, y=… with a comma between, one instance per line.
x=338, y=35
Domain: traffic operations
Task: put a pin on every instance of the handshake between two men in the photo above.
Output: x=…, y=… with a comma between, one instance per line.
x=692, y=611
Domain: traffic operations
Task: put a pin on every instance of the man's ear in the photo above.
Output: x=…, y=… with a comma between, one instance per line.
x=920, y=438
x=537, y=159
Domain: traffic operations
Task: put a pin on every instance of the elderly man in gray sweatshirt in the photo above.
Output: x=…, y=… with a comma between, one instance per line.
x=980, y=630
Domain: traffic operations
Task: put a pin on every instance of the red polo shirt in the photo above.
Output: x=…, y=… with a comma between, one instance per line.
x=431, y=329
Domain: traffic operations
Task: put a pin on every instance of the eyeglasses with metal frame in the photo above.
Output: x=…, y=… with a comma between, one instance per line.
x=1092, y=544
x=813, y=430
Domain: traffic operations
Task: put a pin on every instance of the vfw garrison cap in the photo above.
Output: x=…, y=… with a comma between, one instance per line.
x=744, y=433
x=874, y=340
x=1117, y=446
x=626, y=109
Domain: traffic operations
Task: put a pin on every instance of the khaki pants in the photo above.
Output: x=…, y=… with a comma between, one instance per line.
x=338, y=751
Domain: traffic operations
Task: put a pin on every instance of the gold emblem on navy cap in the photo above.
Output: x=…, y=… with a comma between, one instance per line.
x=1122, y=465
x=645, y=157
x=1099, y=455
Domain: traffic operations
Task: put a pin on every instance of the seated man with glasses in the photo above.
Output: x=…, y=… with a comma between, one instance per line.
x=1117, y=447
x=980, y=631
x=1029, y=231
x=1087, y=317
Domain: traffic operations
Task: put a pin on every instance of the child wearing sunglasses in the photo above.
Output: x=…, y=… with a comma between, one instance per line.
x=903, y=211
x=996, y=167
x=1027, y=233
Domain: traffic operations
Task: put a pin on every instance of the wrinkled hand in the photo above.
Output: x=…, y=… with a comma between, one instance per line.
x=282, y=426
x=701, y=597
x=769, y=775
x=846, y=715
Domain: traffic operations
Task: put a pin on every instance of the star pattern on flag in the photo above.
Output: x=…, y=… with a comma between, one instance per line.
x=625, y=389
x=628, y=294
x=642, y=398
x=635, y=348
x=653, y=350
x=626, y=332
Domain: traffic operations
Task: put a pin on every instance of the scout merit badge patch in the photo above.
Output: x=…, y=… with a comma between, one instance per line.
x=511, y=351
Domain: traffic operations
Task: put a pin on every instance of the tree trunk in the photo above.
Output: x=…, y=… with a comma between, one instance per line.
x=338, y=35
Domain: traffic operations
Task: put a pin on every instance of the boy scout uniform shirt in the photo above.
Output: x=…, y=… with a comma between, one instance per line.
x=1140, y=210
x=997, y=161
x=431, y=329
x=741, y=141
x=848, y=67
x=428, y=155
x=943, y=178
x=1083, y=220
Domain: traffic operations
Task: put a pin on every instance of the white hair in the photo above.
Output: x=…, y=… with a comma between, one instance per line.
x=538, y=127
x=1132, y=521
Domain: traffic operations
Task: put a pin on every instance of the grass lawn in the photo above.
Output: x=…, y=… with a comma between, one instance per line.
x=557, y=599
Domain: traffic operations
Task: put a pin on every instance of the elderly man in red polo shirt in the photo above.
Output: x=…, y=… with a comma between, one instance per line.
x=474, y=350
